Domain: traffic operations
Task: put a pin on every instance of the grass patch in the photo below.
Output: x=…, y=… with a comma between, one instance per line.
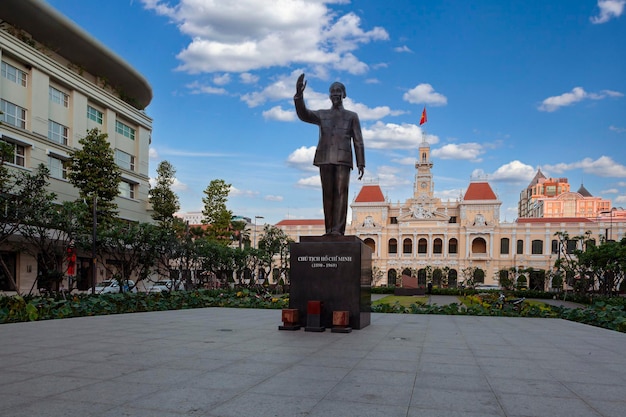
x=403, y=300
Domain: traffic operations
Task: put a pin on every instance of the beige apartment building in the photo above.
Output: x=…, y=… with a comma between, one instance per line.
x=56, y=83
x=413, y=239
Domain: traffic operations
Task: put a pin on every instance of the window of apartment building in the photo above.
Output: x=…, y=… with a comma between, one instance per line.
x=555, y=246
x=12, y=114
x=94, y=114
x=505, y=243
x=14, y=74
x=422, y=246
x=438, y=246
x=19, y=153
x=520, y=247
x=537, y=247
x=57, y=132
x=452, y=219
x=124, y=160
x=58, y=97
x=393, y=220
x=407, y=246
x=57, y=167
x=124, y=129
x=393, y=246
x=571, y=246
x=127, y=189
x=453, y=245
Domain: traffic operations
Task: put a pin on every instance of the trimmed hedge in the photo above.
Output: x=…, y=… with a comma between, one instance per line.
x=17, y=308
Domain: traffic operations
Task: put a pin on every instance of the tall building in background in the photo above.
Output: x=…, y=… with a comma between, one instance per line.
x=551, y=197
x=56, y=83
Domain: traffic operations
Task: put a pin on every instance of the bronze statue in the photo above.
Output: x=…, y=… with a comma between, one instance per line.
x=339, y=131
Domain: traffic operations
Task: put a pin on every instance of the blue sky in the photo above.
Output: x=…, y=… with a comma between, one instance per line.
x=509, y=87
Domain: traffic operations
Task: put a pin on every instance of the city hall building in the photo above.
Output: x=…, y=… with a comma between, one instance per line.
x=427, y=240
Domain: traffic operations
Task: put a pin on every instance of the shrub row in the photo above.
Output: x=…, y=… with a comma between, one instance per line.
x=609, y=315
x=17, y=309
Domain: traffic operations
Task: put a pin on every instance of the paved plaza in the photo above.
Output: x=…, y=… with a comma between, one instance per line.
x=235, y=362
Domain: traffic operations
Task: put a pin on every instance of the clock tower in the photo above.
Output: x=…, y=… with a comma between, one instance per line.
x=423, y=177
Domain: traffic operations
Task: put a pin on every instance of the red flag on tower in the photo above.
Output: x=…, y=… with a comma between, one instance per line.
x=424, y=119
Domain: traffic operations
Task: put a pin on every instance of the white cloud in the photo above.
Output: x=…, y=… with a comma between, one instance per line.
x=245, y=35
x=391, y=177
x=248, y=78
x=402, y=48
x=604, y=166
x=310, y=182
x=197, y=88
x=394, y=136
x=235, y=192
x=179, y=186
x=466, y=151
x=514, y=171
x=277, y=198
x=620, y=199
x=277, y=113
x=577, y=94
x=153, y=154
x=222, y=79
x=425, y=94
x=617, y=129
x=610, y=191
x=302, y=158
x=608, y=10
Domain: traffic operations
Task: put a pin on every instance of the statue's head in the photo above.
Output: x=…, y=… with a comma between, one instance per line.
x=338, y=88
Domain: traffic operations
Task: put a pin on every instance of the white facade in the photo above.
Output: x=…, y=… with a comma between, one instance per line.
x=56, y=83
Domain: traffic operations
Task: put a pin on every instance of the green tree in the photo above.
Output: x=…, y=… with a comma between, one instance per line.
x=94, y=172
x=131, y=250
x=275, y=245
x=216, y=215
x=20, y=202
x=164, y=201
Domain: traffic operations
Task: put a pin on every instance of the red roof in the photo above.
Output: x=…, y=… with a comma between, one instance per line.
x=301, y=222
x=479, y=191
x=553, y=220
x=370, y=194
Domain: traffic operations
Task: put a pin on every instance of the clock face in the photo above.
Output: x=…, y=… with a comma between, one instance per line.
x=424, y=184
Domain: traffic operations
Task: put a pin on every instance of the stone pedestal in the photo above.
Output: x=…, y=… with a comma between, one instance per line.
x=336, y=270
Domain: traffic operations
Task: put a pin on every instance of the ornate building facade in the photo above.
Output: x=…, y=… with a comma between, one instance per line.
x=427, y=239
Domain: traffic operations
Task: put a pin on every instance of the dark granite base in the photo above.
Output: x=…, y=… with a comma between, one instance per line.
x=335, y=270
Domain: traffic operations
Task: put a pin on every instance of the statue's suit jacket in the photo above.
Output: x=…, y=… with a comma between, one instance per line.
x=339, y=130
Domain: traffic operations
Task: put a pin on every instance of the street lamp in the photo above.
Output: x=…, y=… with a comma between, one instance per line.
x=93, y=244
x=255, y=242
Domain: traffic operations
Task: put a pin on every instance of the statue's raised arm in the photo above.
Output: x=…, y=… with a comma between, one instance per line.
x=300, y=86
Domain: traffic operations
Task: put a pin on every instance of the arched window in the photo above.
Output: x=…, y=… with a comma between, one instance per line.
x=437, y=246
x=407, y=246
x=393, y=246
x=452, y=278
x=437, y=275
x=421, y=277
x=504, y=246
x=479, y=276
x=370, y=242
x=453, y=245
x=391, y=277
x=537, y=247
x=422, y=246
x=520, y=247
x=479, y=245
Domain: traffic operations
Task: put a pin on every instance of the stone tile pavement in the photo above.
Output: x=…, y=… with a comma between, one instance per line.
x=235, y=362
